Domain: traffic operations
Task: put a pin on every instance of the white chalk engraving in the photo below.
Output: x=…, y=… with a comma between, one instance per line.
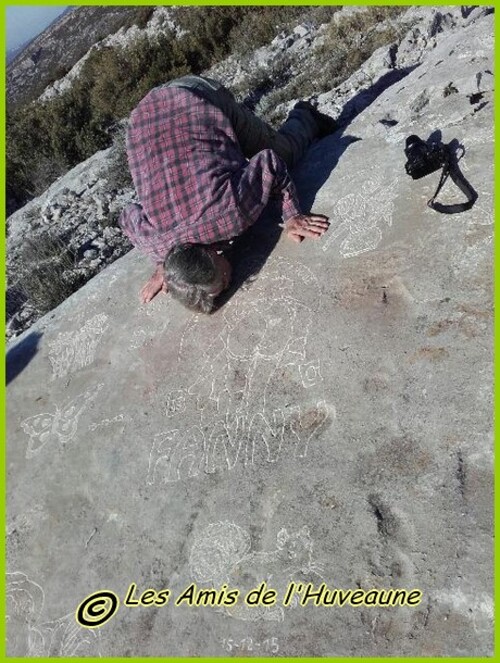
x=152, y=320
x=73, y=350
x=59, y=426
x=139, y=337
x=261, y=353
x=358, y=216
x=27, y=635
x=221, y=553
x=176, y=402
x=104, y=423
x=310, y=373
x=64, y=637
x=249, y=644
x=234, y=439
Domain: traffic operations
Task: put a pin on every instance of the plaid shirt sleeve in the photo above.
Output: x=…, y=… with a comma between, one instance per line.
x=264, y=176
x=136, y=225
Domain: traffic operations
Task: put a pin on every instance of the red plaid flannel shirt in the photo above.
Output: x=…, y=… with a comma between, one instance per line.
x=192, y=180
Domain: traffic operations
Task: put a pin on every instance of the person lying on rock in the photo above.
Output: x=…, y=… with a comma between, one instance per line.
x=204, y=168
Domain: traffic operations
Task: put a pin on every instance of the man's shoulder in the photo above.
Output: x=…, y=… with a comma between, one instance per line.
x=171, y=114
x=162, y=98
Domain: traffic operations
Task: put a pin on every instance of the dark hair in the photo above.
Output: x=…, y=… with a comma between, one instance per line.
x=190, y=273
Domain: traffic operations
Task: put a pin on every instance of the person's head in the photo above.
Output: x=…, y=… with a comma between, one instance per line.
x=196, y=275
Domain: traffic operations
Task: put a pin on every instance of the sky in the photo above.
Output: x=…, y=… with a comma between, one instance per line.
x=25, y=22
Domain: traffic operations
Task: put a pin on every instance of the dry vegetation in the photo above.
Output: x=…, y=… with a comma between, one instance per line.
x=47, y=277
x=346, y=45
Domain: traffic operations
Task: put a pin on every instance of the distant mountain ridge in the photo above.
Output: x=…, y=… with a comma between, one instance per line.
x=40, y=61
x=14, y=52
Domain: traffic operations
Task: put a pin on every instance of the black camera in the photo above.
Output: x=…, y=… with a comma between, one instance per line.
x=423, y=158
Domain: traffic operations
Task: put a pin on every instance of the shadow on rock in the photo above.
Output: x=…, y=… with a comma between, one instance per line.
x=249, y=252
x=20, y=355
x=364, y=98
x=324, y=156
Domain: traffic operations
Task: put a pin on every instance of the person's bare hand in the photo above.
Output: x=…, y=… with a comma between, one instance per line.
x=302, y=226
x=155, y=284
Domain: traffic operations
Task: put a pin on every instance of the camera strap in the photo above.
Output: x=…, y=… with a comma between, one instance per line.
x=450, y=168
